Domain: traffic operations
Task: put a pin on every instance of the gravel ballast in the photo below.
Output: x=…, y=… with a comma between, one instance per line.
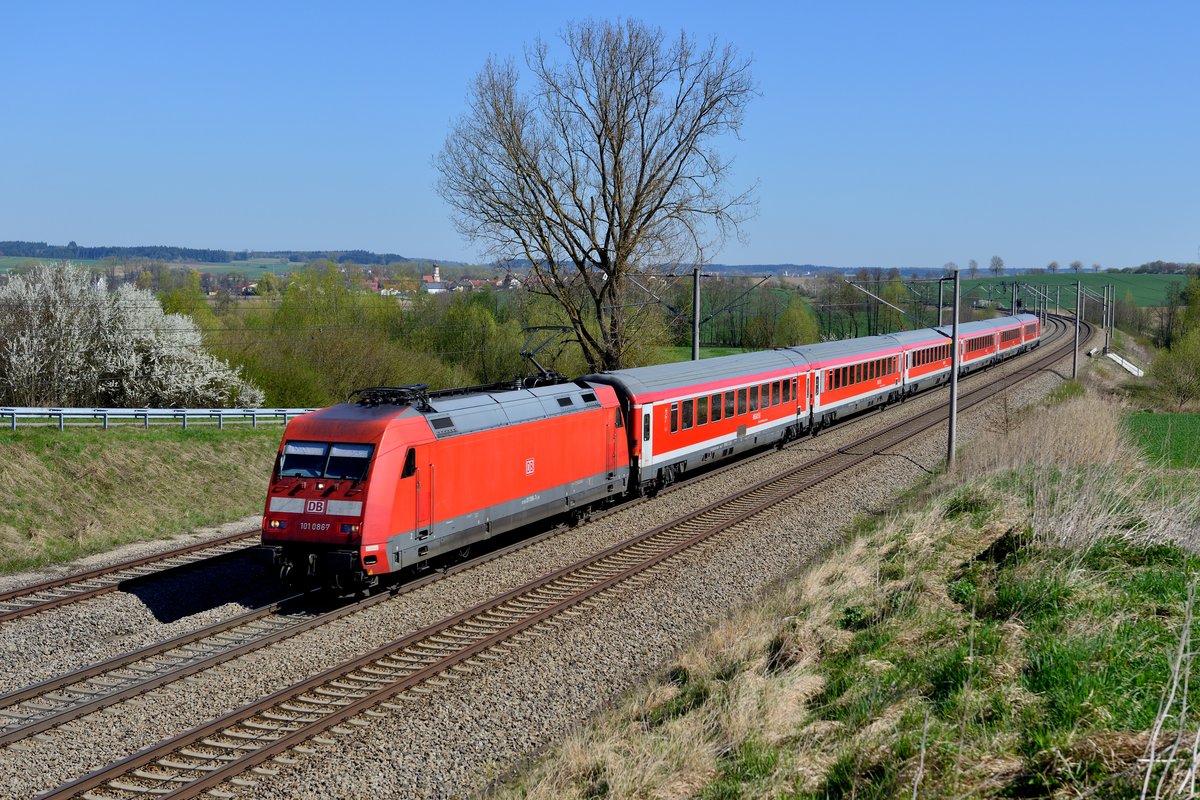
x=454, y=740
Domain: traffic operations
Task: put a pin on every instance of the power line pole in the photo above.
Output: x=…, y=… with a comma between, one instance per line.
x=940, y=284
x=1078, y=317
x=696, y=313
x=953, y=382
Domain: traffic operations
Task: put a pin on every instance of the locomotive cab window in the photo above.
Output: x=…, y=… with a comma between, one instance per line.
x=410, y=464
x=349, y=462
x=339, y=461
x=303, y=459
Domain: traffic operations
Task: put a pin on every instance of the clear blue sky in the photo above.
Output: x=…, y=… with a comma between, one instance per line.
x=886, y=134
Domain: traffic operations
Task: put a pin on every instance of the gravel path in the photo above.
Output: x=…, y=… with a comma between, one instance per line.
x=456, y=739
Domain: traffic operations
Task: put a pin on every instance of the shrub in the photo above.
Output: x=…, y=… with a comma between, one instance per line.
x=66, y=340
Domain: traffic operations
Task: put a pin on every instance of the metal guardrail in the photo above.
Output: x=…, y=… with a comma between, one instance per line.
x=145, y=415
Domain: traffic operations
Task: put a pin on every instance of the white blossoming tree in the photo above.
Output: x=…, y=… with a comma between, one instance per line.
x=65, y=340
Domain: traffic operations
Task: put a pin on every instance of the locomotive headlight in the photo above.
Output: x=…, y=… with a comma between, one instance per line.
x=277, y=524
x=348, y=527
x=320, y=485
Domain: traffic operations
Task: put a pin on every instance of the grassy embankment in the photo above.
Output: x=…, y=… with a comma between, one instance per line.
x=84, y=491
x=1015, y=634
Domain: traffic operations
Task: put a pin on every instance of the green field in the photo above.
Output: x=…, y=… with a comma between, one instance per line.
x=673, y=354
x=1147, y=290
x=1173, y=439
x=251, y=268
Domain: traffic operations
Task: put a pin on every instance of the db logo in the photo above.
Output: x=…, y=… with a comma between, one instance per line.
x=315, y=507
x=529, y=466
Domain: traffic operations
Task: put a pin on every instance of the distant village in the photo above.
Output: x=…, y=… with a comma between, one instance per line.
x=372, y=279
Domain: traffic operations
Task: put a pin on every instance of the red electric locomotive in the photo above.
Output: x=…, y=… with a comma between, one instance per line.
x=366, y=488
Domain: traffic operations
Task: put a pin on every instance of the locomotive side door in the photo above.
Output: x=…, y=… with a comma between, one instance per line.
x=424, y=491
x=610, y=450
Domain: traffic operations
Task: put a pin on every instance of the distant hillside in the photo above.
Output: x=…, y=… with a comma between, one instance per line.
x=74, y=252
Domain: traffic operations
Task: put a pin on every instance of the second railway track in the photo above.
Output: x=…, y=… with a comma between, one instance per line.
x=45, y=595
x=218, y=752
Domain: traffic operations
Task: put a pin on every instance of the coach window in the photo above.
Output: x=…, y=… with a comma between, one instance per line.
x=741, y=409
x=775, y=393
x=729, y=404
x=687, y=414
x=787, y=389
x=674, y=417
x=716, y=407
x=646, y=427
x=701, y=410
x=753, y=398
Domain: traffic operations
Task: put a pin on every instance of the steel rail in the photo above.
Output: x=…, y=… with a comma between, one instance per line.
x=207, y=756
x=56, y=592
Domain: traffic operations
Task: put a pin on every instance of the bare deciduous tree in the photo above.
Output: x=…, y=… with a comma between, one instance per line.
x=605, y=168
x=973, y=268
x=997, y=265
x=1076, y=265
x=1052, y=267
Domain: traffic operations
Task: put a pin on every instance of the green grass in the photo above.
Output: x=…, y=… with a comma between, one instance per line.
x=1171, y=439
x=669, y=355
x=1094, y=658
x=1067, y=390
x=83, y=491
x=1147, y=290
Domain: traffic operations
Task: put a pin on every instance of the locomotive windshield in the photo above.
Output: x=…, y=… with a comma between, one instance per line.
x=336, y=461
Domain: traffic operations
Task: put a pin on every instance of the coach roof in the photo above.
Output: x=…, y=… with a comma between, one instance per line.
x=642, y=381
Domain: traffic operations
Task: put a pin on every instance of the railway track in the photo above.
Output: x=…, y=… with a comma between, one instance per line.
x=54, y=702
x=203, y=759
x=45, y=595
